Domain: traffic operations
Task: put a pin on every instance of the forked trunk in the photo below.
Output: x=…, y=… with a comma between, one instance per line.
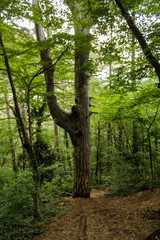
x=76, y=123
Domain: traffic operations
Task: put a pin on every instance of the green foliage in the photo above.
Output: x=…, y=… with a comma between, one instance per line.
x=16, y=209
x=45, y=158
x=60, y=186
x=125, y=132
x=7, y=176
x=125, y=166
x=124, y=177
x=53, y=192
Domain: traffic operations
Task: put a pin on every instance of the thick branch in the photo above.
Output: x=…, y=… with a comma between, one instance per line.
x=47, y=67
x=62, y=118
x=146, y=50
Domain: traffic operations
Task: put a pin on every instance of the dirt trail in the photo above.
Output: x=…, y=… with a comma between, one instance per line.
x=107, y=218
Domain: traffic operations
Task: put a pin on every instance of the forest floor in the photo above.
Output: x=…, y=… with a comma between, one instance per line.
x=103, y=217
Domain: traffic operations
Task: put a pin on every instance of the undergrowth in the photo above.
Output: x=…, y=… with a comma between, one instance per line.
x=16, y=205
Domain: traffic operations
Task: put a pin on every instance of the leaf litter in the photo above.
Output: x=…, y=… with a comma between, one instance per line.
x=103, y=217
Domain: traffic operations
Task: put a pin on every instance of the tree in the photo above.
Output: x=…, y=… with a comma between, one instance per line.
x=77, y=122
x=26, y=141
x=13, y=150
x=139, y=36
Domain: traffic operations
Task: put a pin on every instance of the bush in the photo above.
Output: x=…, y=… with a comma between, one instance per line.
x=16, y=209
x=124, y=177
x=7, y=176
x=60, y=186
x=45, y=158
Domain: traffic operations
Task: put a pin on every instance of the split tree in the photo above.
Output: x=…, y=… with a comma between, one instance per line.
x=76, y=122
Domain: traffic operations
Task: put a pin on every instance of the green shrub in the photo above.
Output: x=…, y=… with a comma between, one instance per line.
x=16, y=209
x=124, y=177
x=7, y=175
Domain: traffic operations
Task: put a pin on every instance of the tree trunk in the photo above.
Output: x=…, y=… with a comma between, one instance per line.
x=57, y=142
x=36, y=179
x=156, y=152
x=135, y=144
x=82, y=172
x=25, y=141
x=109, y=134
x=150, y=153
x=98, y=163
x=120, y=132
x=13, y=150
x=134, y=127
x=77, y=123
x=81, y=137
x=66, y=142
x=145, y=47
x=81, y=113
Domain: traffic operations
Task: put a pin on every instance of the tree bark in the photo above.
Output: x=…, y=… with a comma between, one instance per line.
x=82, y=174
x=141, y=39
x=81, y=112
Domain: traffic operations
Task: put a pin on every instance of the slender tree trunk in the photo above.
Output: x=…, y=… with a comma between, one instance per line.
x=57, y=142
x=120, y=128
x=141, y=39
x=150, y=153
x=135, y=144
x=109, y=134
x=25, y=141
x=13, y=150
x=36, y=179
x=115, y=138
x=29, y=115
x=109, y=129
x=134, y=127
x=66, y=141
x=98, y=164
x=156, y=152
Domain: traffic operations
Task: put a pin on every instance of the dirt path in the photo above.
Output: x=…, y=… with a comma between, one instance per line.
x=108, y=218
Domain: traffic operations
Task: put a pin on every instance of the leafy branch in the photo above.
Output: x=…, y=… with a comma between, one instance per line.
x=48, y=66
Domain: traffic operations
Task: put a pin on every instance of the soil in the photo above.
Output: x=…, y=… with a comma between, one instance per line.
x=103, y=217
